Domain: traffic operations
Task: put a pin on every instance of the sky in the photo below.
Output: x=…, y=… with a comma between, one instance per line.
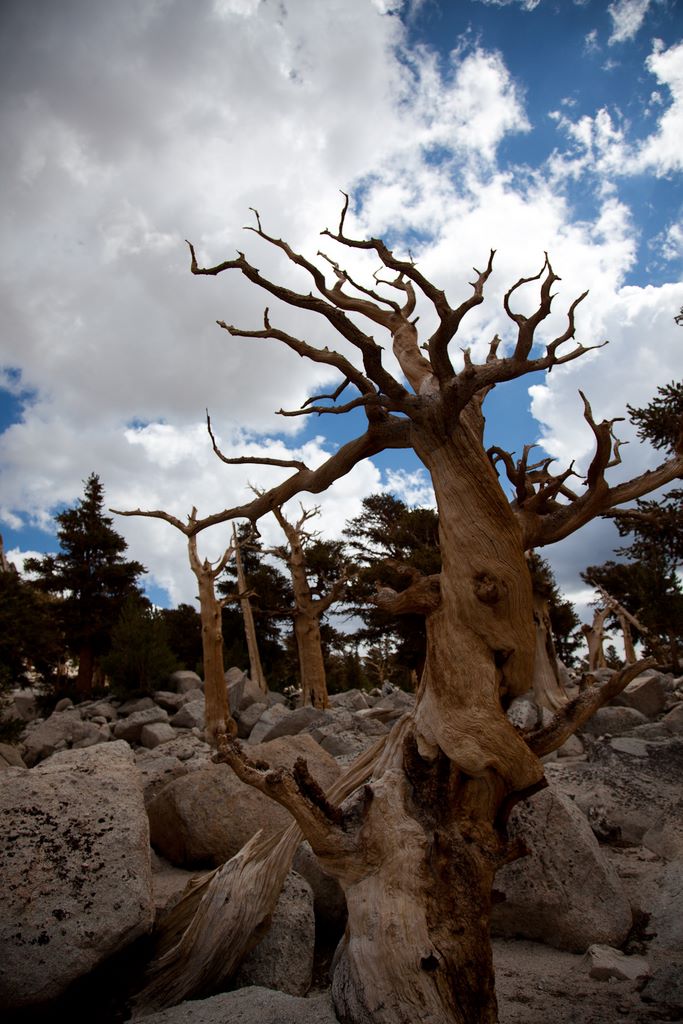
x=527, y=126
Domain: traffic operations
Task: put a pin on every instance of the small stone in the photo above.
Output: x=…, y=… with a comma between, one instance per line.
x=606, y=963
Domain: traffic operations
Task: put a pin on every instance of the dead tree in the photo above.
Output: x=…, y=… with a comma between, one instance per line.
x=595, y=634
x=625, y=620
x=308, y=608
x=218, y=720
x=255, y=666
x=416, y=847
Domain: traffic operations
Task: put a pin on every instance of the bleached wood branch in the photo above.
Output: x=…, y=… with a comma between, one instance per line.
x=578, y=711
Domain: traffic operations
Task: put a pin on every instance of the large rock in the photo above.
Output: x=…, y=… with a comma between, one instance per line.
x=623, y=802
x=248, y=717
x=608, y=964
x=169, y=701
x=243, y=691
x=235, y=679
x=25, y=704
x=252, y=1005
x=182, y=681
x=666, y=919
x=564, y=893
x=292, y=722
x=130, y=728
x=673, y=720
x=352, y=700
x=75, y=865
x=283, y=959
x=10, y=757
x=647, y=693
x=61, y=731
x=190, y=716
x=271, y=717
x=665, y=988
x=203, y=819
x=157, y=769
x=156, y=733
x=329, y=902
x=612, y=721
x=345, y=734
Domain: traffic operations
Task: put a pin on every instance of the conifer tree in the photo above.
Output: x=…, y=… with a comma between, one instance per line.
x=91, y=576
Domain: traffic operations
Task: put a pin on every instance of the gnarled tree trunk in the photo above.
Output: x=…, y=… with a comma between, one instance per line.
x=431, y=822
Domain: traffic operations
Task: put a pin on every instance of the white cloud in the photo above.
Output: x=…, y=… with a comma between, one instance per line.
x=526, y=5
x=189, y=115
x=602, y=143
x=672, y=242
x=415, y=488
x=627, y=18
x=662, y=152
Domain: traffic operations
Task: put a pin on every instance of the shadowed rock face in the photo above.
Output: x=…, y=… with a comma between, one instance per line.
x=75, y=864
x=565, y=892
x=203, y=819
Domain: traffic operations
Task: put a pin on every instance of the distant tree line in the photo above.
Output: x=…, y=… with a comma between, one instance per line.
x=80, y=621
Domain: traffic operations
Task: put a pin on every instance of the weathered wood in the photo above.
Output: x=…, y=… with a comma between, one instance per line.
x=255, y=667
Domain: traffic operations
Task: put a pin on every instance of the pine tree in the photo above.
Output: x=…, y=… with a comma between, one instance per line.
x=140, y=659
x=393, y=542
x=91, y=576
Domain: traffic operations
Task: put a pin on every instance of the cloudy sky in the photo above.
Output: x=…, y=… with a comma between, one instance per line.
x=521, y=125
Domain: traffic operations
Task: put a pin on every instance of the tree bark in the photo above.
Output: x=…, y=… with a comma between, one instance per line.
x=215, y=688
x=417, y=946
x=218, y=718
x=548, y=691
x=311, y=665
x=594, y=635
x=255, y=667
x=307, y=614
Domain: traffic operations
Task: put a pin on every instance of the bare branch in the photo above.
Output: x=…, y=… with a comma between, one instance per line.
x=333, y=397
x=318, y=818
x=604, y=457
x=251, y=460
x=363, y=401
x=304, y=349
x=574, y=714
x=186, y=528
x=566, y=519
x=333, y=310
x=450, y=320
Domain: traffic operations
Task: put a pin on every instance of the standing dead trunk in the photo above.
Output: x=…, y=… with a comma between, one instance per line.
x=311, y=664
x=594, y=635
x=255, y=667
x=629, y=649
x=308, y=610
x=548, y=690
x=217, y=712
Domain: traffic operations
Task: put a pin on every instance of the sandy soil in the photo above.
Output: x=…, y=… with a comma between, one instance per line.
x=540, y=985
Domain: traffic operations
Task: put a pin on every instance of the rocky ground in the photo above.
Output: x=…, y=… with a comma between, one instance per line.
x=589, y=926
